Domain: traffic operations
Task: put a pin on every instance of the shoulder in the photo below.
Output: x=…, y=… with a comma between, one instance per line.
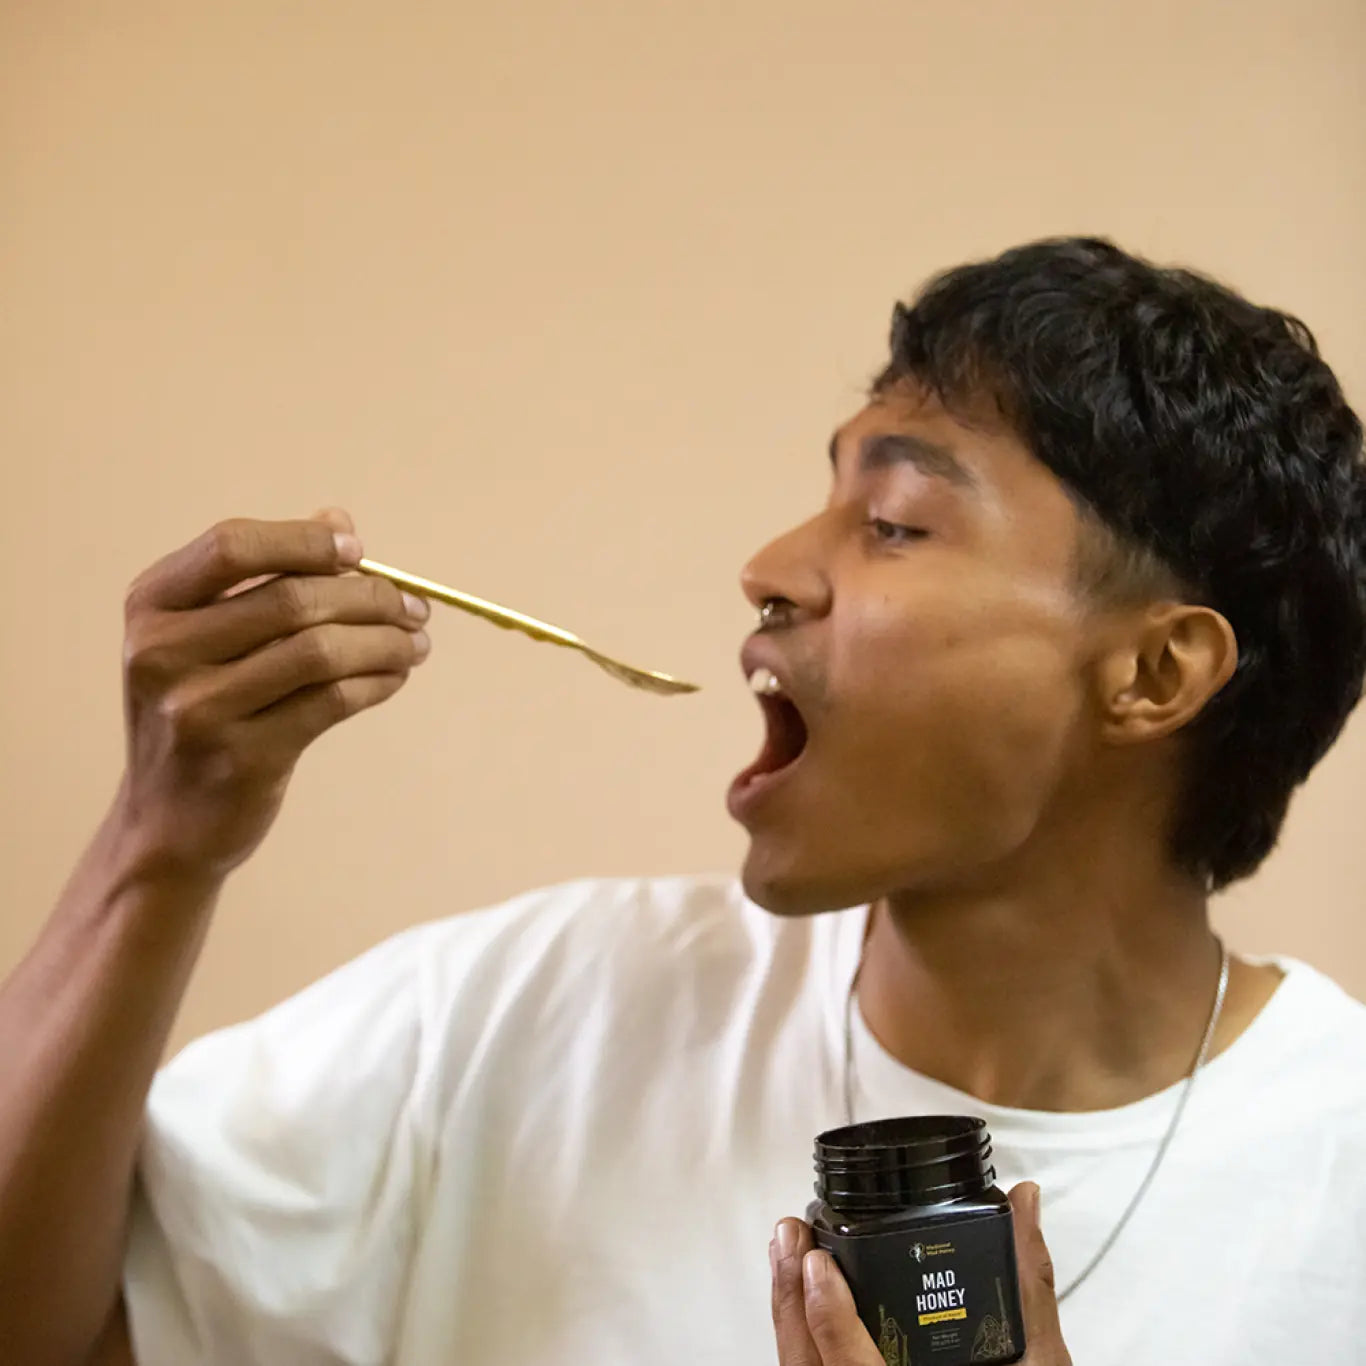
x=640, y=909
x=1314, y=1045
x=1314, y=1006
x=581, y=934
x=598, y=966
x=457, y=974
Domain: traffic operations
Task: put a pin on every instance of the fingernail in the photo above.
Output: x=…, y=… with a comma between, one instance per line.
x=787, y=1238
x=416, y=607
x=1034, y=1203
x=422, y=644
x=773, y=1255
x=815, y=1271
x=348, y=547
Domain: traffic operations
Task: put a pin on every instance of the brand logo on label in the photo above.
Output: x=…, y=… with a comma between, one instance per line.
x=918, y=1251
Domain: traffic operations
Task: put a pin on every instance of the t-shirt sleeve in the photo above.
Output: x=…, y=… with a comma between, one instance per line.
x=282, y=1176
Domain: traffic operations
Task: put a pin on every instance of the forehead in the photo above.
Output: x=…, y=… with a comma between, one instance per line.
x=974, y=457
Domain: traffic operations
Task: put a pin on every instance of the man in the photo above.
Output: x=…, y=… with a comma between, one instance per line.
x=1086, y=604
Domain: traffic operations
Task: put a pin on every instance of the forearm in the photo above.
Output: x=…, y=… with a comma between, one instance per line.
x=84, y=1019
x=240, y=649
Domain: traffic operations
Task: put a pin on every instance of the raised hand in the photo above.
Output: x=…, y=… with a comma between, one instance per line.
x=241, y=649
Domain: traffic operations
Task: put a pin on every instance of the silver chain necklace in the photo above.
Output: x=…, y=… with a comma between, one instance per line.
x=1200, y=1059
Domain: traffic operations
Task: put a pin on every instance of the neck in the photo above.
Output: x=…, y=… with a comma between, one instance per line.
x=1081, y=992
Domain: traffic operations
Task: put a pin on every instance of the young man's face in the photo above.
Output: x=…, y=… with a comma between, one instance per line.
x=929, y=629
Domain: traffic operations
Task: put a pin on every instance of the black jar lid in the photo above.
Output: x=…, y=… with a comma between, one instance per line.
x=889, y=1164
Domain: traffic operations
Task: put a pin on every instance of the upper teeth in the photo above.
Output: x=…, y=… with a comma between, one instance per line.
x=765, y=683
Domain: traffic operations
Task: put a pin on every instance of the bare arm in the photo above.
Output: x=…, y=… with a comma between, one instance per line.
x=114, y=1348
x=224, y=693
x=83, y=1021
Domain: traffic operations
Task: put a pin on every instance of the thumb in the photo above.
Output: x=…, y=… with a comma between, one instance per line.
x=1038, y=1294
x=337, y=518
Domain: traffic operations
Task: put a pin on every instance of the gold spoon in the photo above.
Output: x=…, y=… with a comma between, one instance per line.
x=648, y=679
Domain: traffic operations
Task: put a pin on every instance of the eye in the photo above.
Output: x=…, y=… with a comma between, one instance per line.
x=894, y=533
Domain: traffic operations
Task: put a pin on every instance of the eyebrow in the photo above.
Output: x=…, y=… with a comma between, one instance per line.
x=883, y=449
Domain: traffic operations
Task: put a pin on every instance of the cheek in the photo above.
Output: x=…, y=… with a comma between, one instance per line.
x=968, y=723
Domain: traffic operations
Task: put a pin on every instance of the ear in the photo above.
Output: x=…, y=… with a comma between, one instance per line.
x=1162, y=669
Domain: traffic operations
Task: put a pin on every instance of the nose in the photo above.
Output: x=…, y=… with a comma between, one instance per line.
x=790, y=572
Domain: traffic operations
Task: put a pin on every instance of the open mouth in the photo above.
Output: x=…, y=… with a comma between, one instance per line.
x=785, y=733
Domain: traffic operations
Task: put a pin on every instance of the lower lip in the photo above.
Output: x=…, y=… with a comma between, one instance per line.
x=750, y=790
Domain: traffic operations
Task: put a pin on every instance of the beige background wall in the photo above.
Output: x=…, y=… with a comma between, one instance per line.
x=562, y=300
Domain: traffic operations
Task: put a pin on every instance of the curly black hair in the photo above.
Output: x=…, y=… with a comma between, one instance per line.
x=1209, y=439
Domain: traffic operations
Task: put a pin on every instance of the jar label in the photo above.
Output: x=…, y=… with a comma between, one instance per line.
x=946, y=1294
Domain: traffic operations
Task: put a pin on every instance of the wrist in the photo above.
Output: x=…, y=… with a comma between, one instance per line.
x=133, y=912
x=139, y=858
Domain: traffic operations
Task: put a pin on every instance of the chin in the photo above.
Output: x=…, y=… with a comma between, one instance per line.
x=795, y=890
x=802, y=878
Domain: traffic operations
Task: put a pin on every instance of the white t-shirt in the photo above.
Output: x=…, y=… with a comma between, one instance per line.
x=562, y=1130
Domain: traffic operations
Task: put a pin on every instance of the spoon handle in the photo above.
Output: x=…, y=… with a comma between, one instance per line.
x=479, y=607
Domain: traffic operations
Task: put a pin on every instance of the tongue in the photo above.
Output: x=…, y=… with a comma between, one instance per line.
x=785, y=737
